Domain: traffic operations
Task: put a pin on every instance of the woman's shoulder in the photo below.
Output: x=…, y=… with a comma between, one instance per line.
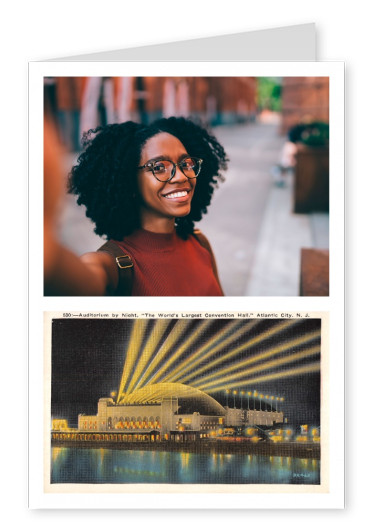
x=204, y=242
x=202, y=239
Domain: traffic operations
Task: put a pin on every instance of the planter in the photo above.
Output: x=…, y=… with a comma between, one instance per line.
x=311, y=185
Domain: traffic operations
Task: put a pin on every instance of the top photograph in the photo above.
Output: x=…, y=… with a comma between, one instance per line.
x=186, y=186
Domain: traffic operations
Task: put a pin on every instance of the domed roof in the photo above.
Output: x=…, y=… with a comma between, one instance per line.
x=190, y=399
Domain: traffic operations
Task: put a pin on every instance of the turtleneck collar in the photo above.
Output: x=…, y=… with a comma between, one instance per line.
x=153, y=241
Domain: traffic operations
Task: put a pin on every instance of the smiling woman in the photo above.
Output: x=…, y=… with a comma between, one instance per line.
x=144, y=187
x=168, y=193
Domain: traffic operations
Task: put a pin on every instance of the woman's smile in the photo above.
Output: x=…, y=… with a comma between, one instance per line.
x=180, y=195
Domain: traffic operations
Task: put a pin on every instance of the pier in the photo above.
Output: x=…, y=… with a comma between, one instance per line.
x=237, y=446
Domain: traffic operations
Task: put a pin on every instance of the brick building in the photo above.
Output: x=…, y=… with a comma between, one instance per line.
x=216, y=100
x=304, y=100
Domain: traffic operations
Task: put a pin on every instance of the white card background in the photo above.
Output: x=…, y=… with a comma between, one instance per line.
x=332, y=304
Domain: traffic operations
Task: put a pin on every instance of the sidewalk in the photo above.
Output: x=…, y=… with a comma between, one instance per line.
x=276, y=267
x=236, y=214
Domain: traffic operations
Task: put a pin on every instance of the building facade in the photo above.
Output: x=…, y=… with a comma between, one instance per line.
x=304, y=100
x=163, y=421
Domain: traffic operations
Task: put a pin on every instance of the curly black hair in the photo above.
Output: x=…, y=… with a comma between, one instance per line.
x=105, y=176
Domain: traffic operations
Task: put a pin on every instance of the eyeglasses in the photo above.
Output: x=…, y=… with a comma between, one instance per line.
x=165, y=170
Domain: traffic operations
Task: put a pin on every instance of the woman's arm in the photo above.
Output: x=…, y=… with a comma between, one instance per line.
x=64, y=272
x=68, y=274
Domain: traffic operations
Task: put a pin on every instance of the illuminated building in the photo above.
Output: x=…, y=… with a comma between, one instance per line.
x=166, y=373
x=189, y=415
x=59, y=424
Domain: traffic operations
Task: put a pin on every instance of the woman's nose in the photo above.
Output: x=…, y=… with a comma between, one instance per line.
x=178, y=176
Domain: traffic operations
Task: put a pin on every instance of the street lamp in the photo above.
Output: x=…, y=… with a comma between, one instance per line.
x=249, y=393
x=234, y=393
x=254, y=401
x=261, y=396
x=241, y=399
x=267, y=398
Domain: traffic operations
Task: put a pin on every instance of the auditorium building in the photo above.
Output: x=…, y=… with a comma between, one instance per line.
x=174, y=418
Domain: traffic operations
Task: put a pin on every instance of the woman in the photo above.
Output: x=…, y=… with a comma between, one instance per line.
x=144, y=187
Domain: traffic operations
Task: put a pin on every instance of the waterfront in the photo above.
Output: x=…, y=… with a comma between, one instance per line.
x=117, y=466
x=218, y=446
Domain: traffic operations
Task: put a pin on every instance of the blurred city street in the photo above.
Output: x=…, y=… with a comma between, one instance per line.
x=254, y=233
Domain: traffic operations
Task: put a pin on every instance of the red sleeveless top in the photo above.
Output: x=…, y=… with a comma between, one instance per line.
x=166, y=265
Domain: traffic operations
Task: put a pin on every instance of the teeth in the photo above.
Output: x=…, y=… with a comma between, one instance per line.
x=177, y=194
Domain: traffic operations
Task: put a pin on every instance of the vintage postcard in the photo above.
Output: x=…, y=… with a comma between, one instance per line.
x=186, y=402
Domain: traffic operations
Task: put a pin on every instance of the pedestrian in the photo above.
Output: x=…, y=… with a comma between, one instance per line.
x=144, y=187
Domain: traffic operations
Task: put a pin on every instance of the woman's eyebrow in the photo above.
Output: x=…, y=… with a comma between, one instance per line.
x=167, y=157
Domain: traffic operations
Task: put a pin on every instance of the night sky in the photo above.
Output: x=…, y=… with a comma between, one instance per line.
x=88, y=357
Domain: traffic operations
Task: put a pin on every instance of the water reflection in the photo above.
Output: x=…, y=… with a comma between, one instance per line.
x=57, y=453
x=98, y=466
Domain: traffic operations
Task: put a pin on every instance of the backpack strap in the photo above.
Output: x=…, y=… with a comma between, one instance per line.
x=206, y=245
x=125, y=268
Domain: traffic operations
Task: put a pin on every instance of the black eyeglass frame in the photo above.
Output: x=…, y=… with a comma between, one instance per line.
x=150, y=165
